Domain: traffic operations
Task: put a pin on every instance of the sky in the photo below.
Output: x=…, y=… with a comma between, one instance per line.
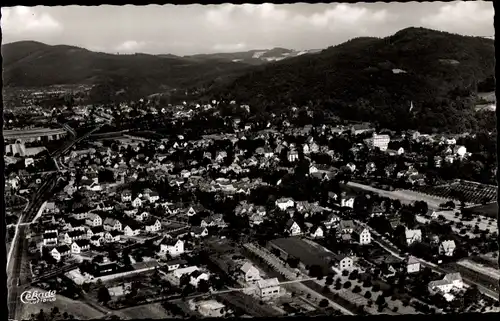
x=191, y=29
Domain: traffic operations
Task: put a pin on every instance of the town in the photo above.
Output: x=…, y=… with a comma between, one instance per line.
x=205, y=209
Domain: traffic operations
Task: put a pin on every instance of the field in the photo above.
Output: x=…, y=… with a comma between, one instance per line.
x=473, y=193
x=78, y=309
x=488, y=210
x=150, y=311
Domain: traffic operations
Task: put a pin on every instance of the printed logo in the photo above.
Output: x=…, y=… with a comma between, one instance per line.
x=34, y=297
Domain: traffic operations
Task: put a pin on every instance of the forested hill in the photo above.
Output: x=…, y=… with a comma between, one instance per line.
x=376, y=80
x=34, y=64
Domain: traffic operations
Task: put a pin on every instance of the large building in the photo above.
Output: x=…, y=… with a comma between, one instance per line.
x=34, y=134
x=380, y=141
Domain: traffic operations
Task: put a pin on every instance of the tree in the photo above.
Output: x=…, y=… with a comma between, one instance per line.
x=356, y=289
x=323, y=303
x=329, y=280
x=203, y=286
x=103, y=295
x=347, y=284
x=368, y=294
x=315, y=271
x=380, y=300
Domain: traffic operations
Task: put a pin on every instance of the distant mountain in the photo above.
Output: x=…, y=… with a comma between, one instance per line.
x=377, y=79
x=254, y=57
x=34, y=64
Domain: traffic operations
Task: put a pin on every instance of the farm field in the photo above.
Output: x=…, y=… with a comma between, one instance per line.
x=473, y=193
x=488, y=210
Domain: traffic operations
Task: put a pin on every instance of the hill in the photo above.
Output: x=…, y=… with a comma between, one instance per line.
x=34, y=64
x=253, y=57
x=374, y=79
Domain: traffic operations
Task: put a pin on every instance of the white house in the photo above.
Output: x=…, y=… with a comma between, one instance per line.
x=60, y=252
x=347, y=201
x=153, y=225
x=447, y=248
x=171, y=246
x=93, y=220
x=342, y=262
x=198, y=231
x=154, y=197
x=96, y=240
x=126, y=196
x=450, y=281
x=49, y=239
x=132, y=229
x=317, y=232
x=80, y=246
x=363, y=235
x=293, y=228
x=268, y=288
x=284, y=203
x=413, y=236
x=197, y=276
x=211, y=308
x=412, y=265
x=112, y=236
x=250, y=272
x=137, y=202
x=173, y=265
x=142, y=216
x=111, y=224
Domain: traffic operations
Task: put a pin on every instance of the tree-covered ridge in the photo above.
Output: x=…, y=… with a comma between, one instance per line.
x=377, y=79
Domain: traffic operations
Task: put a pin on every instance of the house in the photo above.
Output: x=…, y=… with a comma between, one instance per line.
x=111, y=224
x=413, y=236
x=193, y=210
x=93, y=220
x=361, y=128
x=198, y=231
x=153, y=225
x=132, y=228
x=447, y=248
x=154, y=197
x=346, y=226
x=178, y=273
x=142, y=216
x=284, y=203
x=80, y=246
x=211, y=308
x=362, y=235
x=96, y=240
x=96, y=230
x=197, y=276
x=293, y=228
x=171, y=246
x=332, y=221
x=342, y=262
x=255, y=219
x=120, y=290
x=60, y=252
x=70, y=237
x=318, y=232
x=346, y=200
x=250, y=272
x=173, y=265
x=126, y=196
x=49, y=239
x=412, y=265
x=292, y=156
x=450, y=281
x=137, y=202
x=112, y=236
x=268, y=288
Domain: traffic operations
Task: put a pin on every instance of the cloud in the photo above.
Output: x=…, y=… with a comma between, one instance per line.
x=230, y=47
x=460, y=16
x=26, y=20
x=130, y=46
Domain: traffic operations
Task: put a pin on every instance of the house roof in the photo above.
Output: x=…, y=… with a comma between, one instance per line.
x=50, y=235
x=448, y=244
x=347, y=224
x=262, y=284
x=82, y=243
x=413, y=260
x=410, y=234
x=62, y=248
x=246, y=267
